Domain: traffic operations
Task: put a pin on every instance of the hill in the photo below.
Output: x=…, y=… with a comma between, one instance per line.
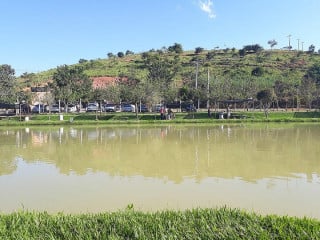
x=273, y=64
x=233, y=74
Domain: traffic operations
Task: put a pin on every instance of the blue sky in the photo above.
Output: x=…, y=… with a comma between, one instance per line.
x=38, y=35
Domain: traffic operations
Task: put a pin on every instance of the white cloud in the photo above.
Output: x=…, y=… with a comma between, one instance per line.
x=207, y=7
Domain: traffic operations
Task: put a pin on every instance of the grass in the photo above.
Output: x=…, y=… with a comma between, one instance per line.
x=220, y=223
x=154, y=118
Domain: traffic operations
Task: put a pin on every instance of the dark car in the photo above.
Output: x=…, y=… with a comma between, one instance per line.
x=188, y=108
x=143, y=108
x=39, y=108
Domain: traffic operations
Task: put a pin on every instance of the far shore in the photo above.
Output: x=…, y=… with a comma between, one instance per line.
x=203, y=117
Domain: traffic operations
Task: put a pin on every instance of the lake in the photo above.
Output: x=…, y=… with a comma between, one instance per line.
x=266, y=168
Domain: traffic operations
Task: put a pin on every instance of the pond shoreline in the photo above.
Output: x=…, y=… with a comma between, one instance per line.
x=154, y=118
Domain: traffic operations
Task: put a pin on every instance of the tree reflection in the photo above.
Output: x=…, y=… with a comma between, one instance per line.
x=171, y=152
x=8, y=163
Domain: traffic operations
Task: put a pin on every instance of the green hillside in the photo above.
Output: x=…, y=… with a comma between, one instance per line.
x=293, y=76
x=275, y=64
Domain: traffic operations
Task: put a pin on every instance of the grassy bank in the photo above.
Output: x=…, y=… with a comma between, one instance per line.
x=152, y=118
x=129, y=224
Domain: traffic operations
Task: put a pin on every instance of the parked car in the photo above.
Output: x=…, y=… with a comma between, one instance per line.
x=188, y=108
x=39, y=108
x=143, y=108
x=55, y=108
x=110, y=107
x=128, y=108
x=72, y=108
x=92, y=107
x=157, y=107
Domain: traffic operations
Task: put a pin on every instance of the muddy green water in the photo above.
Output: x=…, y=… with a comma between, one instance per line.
x=269, y=169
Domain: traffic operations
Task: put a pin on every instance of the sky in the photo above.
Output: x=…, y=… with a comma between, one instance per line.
x=37, y=35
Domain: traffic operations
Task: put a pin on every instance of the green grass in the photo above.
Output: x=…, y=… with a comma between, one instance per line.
x=220, y=223
x=154, y=118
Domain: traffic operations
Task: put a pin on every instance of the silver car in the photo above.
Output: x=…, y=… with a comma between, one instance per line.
x=55, y=108
x=92, y=107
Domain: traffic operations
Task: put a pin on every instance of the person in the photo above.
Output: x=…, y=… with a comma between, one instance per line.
x=209, y=113
x=162, y=113
x=228, y=112
x=169, y=113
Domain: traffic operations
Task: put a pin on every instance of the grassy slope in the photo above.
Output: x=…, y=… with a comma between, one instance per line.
x=277, y=65
x=191, y=224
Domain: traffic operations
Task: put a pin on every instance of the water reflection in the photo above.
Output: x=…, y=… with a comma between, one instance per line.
x=172, y=153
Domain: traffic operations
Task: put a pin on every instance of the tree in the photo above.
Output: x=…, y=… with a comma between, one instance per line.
x=283, y=92
x=210, y=55
x=81, y=60
x=185, y=93
x=312, y=49
x=252, y=48
x=258, y=72
x=133, y=91
x=71, y=84
x=308, y=90
x=120, y=54
x=128, y=52
x=242, y=52
x=110, y=55
x=8, y=84
x=161, y=71
x=314, y=72
x=112, y=93
x=265, y=97
x=176, y=48
x=198, y=50
x=272, y=43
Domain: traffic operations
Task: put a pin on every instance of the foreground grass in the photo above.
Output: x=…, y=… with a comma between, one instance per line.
x=152, y=118
x=220, y=223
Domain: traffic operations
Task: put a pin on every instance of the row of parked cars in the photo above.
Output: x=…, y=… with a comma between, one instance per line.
x=109, y=107
x=91, y=107
x=41, y=108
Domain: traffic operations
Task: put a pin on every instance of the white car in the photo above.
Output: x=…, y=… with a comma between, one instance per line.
x=72, y=108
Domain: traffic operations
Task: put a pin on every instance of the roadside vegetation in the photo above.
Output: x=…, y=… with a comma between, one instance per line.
x=220, y=223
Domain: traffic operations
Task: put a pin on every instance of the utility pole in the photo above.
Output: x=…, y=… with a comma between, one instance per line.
x=197, y=70
x=208, y=91
x=298, y=44
x=289, y=36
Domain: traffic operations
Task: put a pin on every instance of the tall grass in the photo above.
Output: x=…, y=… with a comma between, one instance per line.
x=220, y=223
